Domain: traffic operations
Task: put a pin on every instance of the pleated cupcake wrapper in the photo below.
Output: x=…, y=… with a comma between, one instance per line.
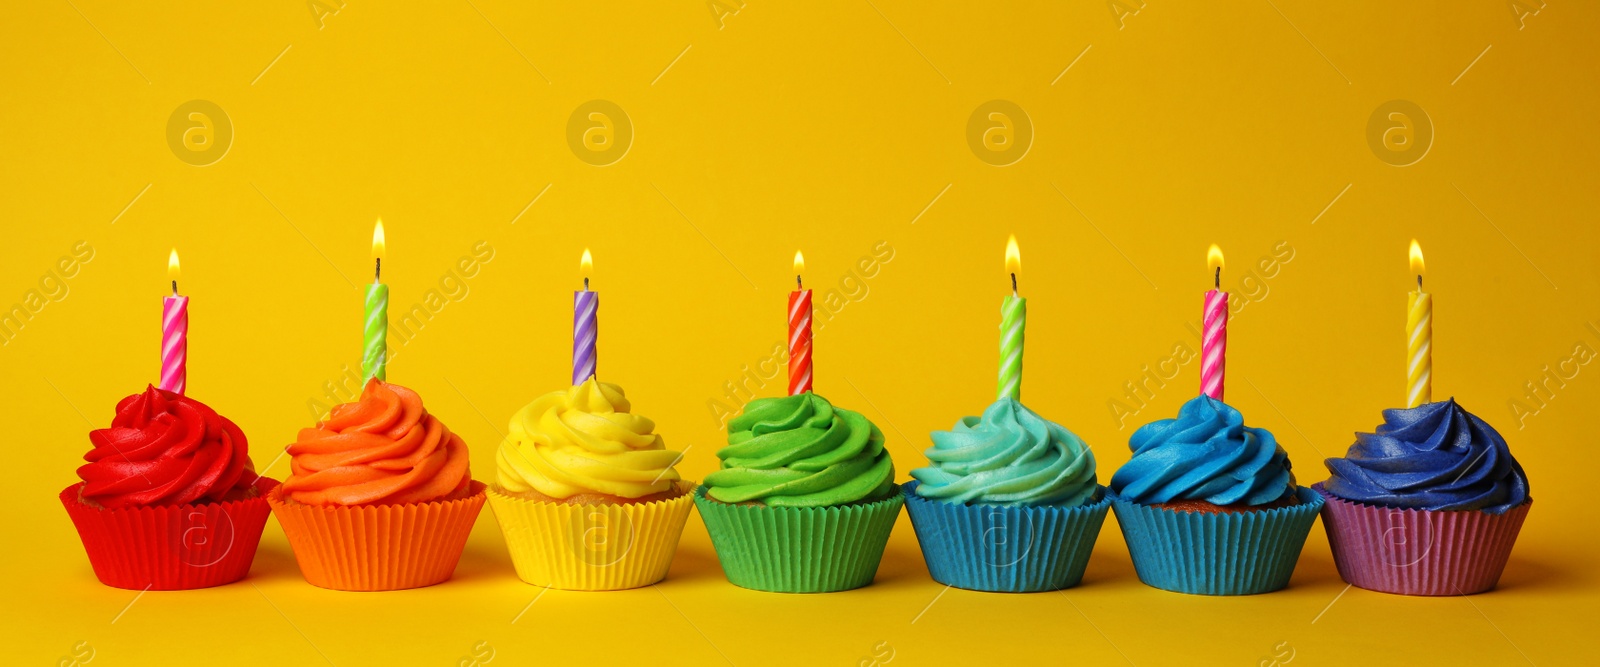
x=1420, y=552
x=1234, y=553
x=1006, y=549
x=799, y=549
x=592, y=547
x=170, y=548
x=378, y=547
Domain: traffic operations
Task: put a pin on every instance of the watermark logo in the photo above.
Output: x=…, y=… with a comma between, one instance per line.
x=82, y=653
x=1539, y=392
x=999, y=132
x=1399, y=132
x=1007, y=538
x=199, y=132
x=482, y=653
x=601, y=538
x=1405, y=543
x=1282, y=654
x=882, y=654
x=205, y=539
x=599, y=132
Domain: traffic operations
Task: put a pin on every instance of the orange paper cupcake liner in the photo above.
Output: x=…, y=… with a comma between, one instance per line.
x=378, y=547
x=592, y=547
x=171, y=547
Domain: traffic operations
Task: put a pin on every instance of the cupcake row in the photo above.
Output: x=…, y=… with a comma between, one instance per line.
x=380, y=494
x=380, y=497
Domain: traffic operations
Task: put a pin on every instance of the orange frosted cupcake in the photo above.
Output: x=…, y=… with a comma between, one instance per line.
x=380, y=496
x=586, y=492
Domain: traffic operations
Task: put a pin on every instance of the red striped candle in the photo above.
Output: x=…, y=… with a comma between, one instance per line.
x=799, y=332
x=174, y=334
x=1214, y=337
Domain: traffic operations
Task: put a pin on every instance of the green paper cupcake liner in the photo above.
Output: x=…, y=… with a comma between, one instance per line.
x=1236, y=553
x=799, y=549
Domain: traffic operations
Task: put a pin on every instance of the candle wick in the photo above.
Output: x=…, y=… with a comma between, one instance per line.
x=585, y=283
x=1419, y=283
x=1216, y=282
x=797, y=284
x=1013, y=284
x=377, y=269
x=174, y=287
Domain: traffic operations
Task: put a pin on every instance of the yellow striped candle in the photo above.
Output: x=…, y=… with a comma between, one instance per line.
x=1419, y=338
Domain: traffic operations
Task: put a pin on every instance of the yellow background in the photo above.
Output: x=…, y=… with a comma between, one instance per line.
x=830, y=127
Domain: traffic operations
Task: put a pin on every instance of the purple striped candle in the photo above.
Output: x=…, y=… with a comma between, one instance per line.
x=585, y=330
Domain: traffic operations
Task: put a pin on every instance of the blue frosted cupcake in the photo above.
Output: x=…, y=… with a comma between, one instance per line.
x=1209, y=506
x=1008, y=504
x=1429, y=504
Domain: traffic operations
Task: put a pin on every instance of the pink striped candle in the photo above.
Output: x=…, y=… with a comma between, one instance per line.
x=1214, y=339
x=174, y=334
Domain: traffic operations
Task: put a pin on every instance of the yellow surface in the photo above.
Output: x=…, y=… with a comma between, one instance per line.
x=840, y=129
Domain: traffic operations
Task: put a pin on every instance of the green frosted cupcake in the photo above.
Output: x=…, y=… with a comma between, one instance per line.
x=805, y=499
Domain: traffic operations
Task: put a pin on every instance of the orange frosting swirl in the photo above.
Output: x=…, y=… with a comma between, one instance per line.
x=384, y=449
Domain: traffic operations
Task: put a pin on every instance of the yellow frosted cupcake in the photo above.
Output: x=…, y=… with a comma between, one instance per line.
x=586, y=492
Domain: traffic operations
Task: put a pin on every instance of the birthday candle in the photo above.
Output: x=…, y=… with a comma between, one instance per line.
x=585, y=325
x=1013, y=322
x=375, y=347
x=174, y=334
x=799, y=332
x=1214, y=339
x=1419, y=337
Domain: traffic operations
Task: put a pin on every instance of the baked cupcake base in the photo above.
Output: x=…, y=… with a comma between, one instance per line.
x=799, y=549
x=378, y=547
x=1419, y=552
x=1005, y=549
x=171, y=547
x=1234, y=553
x=592, y=547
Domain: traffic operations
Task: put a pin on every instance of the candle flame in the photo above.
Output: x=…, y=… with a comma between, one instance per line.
x=586, y=265
x=1417, y=266
x=172, y=265
x=1013, y=256
x=378, y=249
x=799, y=263
x=1214, y=258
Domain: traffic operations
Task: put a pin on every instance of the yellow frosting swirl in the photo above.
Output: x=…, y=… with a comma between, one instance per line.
x=584, y=440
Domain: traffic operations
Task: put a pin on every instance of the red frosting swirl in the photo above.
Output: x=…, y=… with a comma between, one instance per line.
x=165, y=449
x=384, y=449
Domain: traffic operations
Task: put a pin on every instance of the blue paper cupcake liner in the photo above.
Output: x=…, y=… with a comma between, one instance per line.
x=1005, y=549
x=1235, y=553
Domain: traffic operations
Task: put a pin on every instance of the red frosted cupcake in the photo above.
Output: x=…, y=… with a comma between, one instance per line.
x=169, y=498
x=381, y=497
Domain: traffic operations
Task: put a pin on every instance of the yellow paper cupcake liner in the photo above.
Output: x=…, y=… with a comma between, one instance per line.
x=592, y=547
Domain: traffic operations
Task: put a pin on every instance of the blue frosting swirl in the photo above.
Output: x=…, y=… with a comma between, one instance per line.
x=1436, y=456
x=1207, y=454
x=1011, y=456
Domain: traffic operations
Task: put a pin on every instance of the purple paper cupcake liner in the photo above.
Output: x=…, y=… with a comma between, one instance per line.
x=1419, y=552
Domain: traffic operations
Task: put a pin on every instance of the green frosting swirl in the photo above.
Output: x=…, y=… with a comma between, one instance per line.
x=800, y=451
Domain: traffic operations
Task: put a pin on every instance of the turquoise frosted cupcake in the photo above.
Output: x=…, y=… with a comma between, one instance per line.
x=805, y=499
x=1210, y=506
x=1009, y=503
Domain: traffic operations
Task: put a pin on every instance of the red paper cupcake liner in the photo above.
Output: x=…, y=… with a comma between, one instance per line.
x=171, y=548
x=378, y=547
x=1420, y=552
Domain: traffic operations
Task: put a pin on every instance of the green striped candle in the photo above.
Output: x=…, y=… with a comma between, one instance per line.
x=375, y=343
x=1013, y=320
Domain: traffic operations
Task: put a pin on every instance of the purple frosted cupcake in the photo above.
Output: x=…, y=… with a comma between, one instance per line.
x=1430, y=504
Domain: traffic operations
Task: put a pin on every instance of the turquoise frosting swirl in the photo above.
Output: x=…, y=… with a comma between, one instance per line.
x=1010, y=456
x=1207, y=454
